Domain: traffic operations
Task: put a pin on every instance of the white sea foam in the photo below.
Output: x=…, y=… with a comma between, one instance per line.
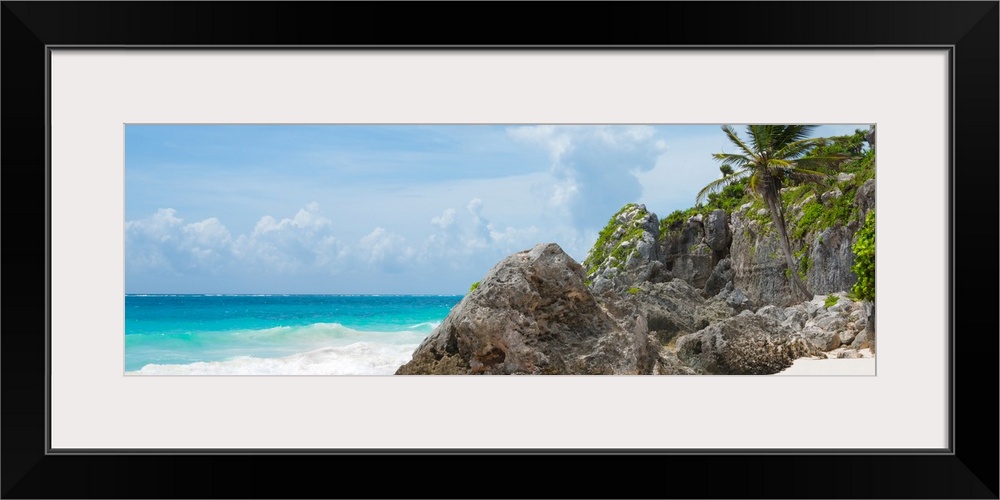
x=431, y=324
x=360, y=358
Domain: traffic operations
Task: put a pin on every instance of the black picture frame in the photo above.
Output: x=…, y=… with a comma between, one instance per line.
x=970, y=29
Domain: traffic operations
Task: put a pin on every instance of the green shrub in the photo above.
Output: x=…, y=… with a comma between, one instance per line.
x=728, y=199
x=633, y=291
x=474, y=286
x=864, y=260
x=831, y=300
x=676, y=219
x=605, y=247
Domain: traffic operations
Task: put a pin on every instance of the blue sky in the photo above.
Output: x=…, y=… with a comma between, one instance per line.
x=392, y=209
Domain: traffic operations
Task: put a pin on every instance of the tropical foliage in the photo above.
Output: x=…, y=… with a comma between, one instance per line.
x=773, y=157
x=864, y=260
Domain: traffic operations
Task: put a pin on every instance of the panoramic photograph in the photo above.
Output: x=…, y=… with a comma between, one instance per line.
x=521, y=249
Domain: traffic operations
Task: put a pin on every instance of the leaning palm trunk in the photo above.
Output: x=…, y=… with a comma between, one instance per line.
x=777, y=153
x=771, y=196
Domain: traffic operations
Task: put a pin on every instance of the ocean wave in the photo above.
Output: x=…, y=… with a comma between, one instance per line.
x=186, y=347
x=360, y=358
x=426, y=325
x=286, y=333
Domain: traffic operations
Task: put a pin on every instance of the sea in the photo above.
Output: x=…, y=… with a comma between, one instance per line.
x=277, y=334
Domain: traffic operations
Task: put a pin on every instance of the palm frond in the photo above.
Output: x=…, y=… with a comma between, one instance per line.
x=718, y=184
x=730, y=159
x=804, y=175
x=788, y=134
x=796, y=149
x=756, y=184
x=735, y=139
x=824, y=160
x=761, y=136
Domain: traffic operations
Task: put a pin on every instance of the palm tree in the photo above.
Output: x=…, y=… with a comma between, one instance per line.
x=775, y=155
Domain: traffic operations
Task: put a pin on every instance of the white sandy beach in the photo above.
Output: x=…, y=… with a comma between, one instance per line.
x=833, y=366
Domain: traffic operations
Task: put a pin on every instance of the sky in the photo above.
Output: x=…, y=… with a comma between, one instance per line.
x=388, y=209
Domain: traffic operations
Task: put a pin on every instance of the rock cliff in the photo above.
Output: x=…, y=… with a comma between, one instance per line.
x=741, y=247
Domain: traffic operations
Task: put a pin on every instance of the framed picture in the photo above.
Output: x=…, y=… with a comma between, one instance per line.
x=189, y=65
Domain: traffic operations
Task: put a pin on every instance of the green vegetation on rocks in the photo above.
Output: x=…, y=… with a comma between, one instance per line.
x=729, y=199
x=804, y=261
x=808, y=217
x=611, y=245
x=820, y=191
x=474, y=286
x=864, y=260
x=773, y=157
x=831, y=300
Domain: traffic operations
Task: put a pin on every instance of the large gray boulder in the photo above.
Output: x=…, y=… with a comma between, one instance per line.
x=676, y=308
x=533, y=314
x=743, y=345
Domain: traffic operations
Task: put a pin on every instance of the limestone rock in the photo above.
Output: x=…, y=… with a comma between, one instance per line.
x=831, y=258
x=845, y=177
x=774, y=312
x=533, y=314
x=831, y=322
x=713, y=311
x=824, y=340
x=860, y=341
x=830, y=195
x=795, y=317
x=743, y=345
x=758, y=263
x=669, y=364
x=627, y=252
x=717, y=234
x=669, y=308
x=847, y=336
x=721, y=276
x=739, y=300
x=868, y=310
x=864, y=197
x=848, y=354
x=685, y=255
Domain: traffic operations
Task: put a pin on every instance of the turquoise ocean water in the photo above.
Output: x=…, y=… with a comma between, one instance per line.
x=277, y=334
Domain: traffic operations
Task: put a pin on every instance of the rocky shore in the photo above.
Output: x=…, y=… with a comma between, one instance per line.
x=708, y=293
x=533, y=313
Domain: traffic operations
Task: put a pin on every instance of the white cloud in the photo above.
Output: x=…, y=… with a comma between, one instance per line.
x=162, y=242
x=594, y=167
x=209, y=232
x=475, y=206
x=386, y=251
x=307, y=218
x=158, y=226
x=446, y=219
x=555, y=140
x=471, y=241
